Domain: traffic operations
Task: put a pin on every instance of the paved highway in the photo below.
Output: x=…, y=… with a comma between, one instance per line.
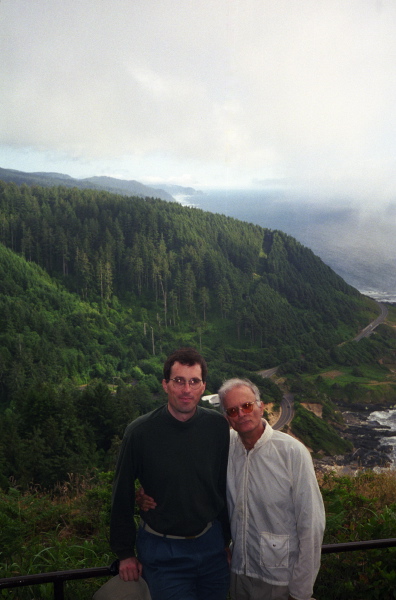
x=370, y=328
x=287, y=411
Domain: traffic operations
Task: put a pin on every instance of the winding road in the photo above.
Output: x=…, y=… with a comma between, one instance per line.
x=287, y=411
x=370, y=328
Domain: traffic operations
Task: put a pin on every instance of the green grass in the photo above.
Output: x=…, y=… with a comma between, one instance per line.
x=68, y=529
x=359, y=508
x=391, y=318
x=367, y=374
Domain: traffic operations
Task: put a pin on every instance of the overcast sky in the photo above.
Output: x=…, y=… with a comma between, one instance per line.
x=210, y=93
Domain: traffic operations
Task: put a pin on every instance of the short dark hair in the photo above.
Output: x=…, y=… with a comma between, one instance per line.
x=185, y=356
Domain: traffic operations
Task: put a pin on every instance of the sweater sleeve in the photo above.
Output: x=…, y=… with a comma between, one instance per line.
x=223, y=516
x=310, y=520
x=122, y=524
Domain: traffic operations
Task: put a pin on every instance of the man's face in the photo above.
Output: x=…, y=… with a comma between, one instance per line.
x=183, y=400
x=246, y=424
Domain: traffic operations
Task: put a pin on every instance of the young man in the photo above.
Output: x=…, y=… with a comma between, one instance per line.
x=274, y=502
x=179, y=454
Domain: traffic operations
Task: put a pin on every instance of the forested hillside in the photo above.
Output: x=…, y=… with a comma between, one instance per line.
x=98, y=288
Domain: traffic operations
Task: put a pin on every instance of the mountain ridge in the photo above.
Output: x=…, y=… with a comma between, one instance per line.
x=109, y=184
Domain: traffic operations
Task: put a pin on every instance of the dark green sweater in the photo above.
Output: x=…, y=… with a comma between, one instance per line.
x=182, y=465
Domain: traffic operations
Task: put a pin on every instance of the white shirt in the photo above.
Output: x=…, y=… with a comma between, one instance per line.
x=276, y=512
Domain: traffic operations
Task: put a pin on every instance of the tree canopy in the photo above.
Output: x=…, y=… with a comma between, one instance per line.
x=96, y=290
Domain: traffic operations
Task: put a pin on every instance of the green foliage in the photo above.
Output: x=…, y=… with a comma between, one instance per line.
x=97, y=289
x=356, y=394
x=316, y=433
x=40, y=533
x=180, y=263
x=355, y=511
x=58, y=430
x=69, y=530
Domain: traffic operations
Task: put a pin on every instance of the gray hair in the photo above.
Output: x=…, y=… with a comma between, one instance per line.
x=230, y=384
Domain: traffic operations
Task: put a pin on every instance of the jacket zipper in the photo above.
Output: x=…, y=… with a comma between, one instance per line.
x=245, y=509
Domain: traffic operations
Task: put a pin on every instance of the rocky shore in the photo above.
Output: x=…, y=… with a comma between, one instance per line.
x=366, y=437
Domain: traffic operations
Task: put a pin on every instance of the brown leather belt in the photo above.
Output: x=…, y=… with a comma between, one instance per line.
x=146, y=527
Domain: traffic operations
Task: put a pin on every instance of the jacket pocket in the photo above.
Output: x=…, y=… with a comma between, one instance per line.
x=274, y=550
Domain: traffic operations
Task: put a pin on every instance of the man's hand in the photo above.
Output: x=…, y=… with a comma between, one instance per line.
x=130, y=569
x=143, y=501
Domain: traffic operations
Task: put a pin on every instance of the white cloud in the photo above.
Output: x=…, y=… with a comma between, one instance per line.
x=229, y=91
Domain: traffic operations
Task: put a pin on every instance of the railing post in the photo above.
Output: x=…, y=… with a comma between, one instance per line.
x=58, y=590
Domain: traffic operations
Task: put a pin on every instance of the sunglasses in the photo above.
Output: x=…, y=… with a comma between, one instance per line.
x=246, y=408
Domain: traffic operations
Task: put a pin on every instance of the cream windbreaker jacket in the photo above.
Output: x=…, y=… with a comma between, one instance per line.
x=276, y=512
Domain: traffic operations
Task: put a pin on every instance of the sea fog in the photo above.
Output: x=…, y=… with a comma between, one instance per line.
x=357, y=243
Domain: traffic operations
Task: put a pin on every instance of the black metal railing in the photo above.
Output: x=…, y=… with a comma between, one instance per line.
x=57, y=578
x=351, y=546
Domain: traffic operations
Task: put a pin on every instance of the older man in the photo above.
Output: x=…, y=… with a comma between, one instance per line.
x=274, y=503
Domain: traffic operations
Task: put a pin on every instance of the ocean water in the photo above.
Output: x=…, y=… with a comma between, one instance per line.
x=358, y=243
x=387, y=418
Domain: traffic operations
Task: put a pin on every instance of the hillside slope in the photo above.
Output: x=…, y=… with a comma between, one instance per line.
x=253, y=296
x=101, y=287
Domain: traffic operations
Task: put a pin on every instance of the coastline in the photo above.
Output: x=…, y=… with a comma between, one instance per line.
x=366, y=435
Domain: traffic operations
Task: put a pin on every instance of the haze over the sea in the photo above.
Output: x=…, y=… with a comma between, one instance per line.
x=296, y=99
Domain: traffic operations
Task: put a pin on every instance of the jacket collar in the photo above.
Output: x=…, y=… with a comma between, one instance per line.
x=264, y=439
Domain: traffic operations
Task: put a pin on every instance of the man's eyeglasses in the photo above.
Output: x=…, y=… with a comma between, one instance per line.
x=181, y=382
x=246, y=408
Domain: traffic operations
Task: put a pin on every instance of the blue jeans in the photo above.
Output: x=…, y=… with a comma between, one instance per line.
x=194, y=569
